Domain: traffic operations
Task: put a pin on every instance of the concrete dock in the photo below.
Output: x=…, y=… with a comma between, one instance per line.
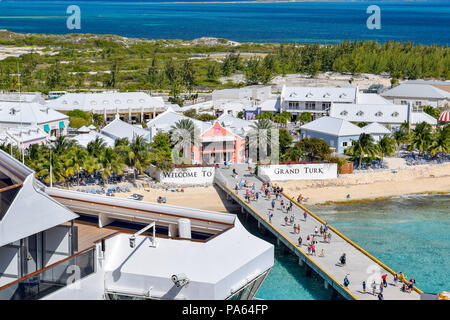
x=360, y=265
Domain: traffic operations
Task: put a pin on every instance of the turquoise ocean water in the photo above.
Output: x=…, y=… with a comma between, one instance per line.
x=305, y=22
x=410, y=234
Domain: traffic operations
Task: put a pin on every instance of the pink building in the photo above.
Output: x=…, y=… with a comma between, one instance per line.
x=218, y=145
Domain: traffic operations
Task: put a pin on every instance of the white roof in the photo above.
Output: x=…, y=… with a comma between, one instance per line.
x=23, y=97
x=213, y=268
x=418, y=117
x=111, y=101
x=164, y=121
x=202, y=106
x=416, y=90
x=84, y=129
x=371, y=98
x=28, y=113
x=235, y=125
x=26, y=134
x=31, y=211
x=92, y=127
x=333, y=126
x=318, y=94
x=376, y=128
x=84, y=139
x=120, y=129
x=270, y=105
x=382, y=113
x=235, y=105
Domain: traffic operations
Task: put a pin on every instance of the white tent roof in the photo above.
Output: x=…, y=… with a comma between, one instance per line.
x=376, y=128
x=333, y=126
x=120, y=129
x=84, y=129
x=84, y=139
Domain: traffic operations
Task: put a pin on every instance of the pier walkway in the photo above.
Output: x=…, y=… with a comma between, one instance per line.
x=360, y=265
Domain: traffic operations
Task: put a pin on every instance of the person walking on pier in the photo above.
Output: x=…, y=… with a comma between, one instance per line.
x=329, y=237
x=305, y=215
x=273, y=204
x=380, y=296
x=300, y=241
x=324, y=237
x=343, y=260
x=313, y=249
x=316, y=231
x=364, y=286
x=383, y=278
x=346, y=281
x=374, y=287
x=285, y=220
x=395, y=279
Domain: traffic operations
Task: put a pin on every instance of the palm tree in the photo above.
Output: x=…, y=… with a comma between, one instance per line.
x=77, y=157
x=387, y=146
x=185, y=135
x=62, y=144
x=259, y=135
x=441, y=141
x=111, y=162
x=97, y=119
x=421, y=137
x=96, y=147
x=402, y=136
x=138, y=155
x=363, y=146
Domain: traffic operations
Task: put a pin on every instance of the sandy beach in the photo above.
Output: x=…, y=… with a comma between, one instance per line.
x=398, y=180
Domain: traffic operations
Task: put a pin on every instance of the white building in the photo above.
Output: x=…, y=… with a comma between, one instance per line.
x=376, y=130
x=315, y=100
x=23, y=137
x=339, y=134
x=132, y=106
x=387, y=114
x=417, y=95
x=17, y=115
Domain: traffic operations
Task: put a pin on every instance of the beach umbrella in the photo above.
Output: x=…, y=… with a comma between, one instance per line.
x=445, y=116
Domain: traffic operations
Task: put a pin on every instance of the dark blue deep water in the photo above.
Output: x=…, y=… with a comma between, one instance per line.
x=303, y=22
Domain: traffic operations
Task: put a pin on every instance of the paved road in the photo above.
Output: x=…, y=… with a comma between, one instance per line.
x=359, y=267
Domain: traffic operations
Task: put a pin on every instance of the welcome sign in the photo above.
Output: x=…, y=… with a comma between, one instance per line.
x=192, y=175
x=311, y=171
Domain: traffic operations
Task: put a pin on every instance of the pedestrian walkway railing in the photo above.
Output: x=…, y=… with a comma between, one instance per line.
x=49, y=279
x=347, y=239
